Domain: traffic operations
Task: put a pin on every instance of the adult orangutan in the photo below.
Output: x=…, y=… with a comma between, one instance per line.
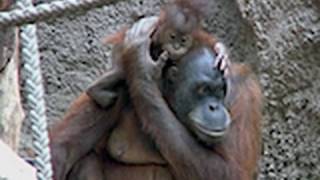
x=165, y=113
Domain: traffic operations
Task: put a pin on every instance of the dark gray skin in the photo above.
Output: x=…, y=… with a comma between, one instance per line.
x=187, y=159
x=196, y=92
x=196, y=97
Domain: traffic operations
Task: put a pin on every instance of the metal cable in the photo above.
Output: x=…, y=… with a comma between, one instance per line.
x=34, y=97
x=31, y=14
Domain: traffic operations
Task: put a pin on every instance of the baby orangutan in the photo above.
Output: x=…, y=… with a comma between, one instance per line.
x=177, y=31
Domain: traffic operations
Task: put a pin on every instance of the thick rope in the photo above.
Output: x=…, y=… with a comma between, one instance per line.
x=31, y=14
x=33, y=88
x=34, y=97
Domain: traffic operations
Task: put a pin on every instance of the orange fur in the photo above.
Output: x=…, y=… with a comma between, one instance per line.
x=4, y=4
x=204, y=38
x=115, y=38
x=79, y=133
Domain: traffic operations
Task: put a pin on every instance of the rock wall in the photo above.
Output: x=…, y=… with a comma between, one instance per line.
x=280, y=39
x=11, y=113
x=288, y=39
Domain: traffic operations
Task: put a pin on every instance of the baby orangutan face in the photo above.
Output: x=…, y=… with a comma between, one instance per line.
x=176, y=44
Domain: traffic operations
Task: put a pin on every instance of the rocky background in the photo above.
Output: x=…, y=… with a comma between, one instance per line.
x=280, y=39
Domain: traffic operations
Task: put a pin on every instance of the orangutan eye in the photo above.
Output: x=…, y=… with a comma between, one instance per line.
x=203, y=89
x=185, y=39
x=173, y=36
